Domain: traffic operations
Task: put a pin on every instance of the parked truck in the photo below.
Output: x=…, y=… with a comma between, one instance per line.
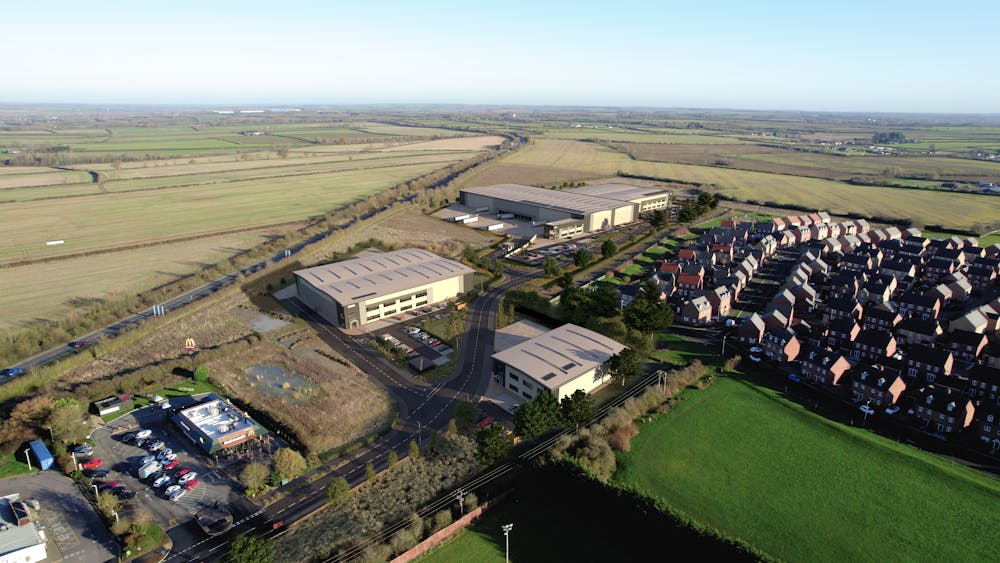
x=149, y=469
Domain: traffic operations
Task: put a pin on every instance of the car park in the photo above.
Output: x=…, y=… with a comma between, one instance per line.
x=93, y=463
x=191, y=484
x=85, y=449
x=168, y=457
x=171, y=464
x=162, y=481
x=187, y=477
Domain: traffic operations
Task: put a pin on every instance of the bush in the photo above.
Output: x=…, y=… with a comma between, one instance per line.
x=621, y=439
x=441, y=520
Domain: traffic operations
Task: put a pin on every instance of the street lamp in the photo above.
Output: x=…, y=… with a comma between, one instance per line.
x=52, y=435
x=115, y=512
x=97, y=493
x=506, y=538
x=724, y=337
x=27, y=458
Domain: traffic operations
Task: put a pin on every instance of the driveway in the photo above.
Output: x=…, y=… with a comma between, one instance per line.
x=70, y=521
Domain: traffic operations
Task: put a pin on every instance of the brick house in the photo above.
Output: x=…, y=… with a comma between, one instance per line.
x=822, y=366
x=880, y=317
x=943, y=410
x=670, y=267
x=872, y=386
x=751, y=331
x=774, y=320
x=844, y=284
x=984, y=384
x=938, y=267
x=781, y=345
x=841, y=307
x=842, y=333
x=988, y=426
x=721, y=300
x=967, y=346
x=855, y=262
x=873, y=346
x=923, y=306
x=981, y=276
x=691, y=280
x=918, y=331
x=697, y=311
x=929, y=364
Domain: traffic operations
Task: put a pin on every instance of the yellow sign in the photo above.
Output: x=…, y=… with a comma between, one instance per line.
x=189, y=344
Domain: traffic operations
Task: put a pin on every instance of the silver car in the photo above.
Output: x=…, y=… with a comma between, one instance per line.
x=164, y=480
x=176, y=495
x=156, y=446
x=187, y=478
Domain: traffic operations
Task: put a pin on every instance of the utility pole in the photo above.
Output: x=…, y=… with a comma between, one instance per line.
x=506, y=538
x=724, y=336
x=52, y=436
x=460, y=497
x=27, y=458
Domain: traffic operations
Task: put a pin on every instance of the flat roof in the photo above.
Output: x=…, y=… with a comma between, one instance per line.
x=621, y=192
x=377, y=275
x=560, y=355
x=561, y=200
x=562, y=222
x=14, y=537
x=516, y=333
x=218, y=418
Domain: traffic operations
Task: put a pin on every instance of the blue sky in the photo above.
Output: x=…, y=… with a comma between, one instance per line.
x=891, y=55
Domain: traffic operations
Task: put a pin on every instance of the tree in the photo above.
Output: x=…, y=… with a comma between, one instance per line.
x=65, y=421
x=392, y=458
x=465, y=413
x=254, y=476
x=624, y=366
x=651, y=290
x=338, y=490
x=452, y=427
x=605, y=301
x=288, y=464
x=647, y=317
x=577, y=408
x=250, y=549
x=536, y=416
x=565, y=281
x=658, y=219
x=551, y=267
x=414, y=450
x=492, y=444
x=108, y=504
x=582, y=258
x=608, y=248
x=369, y=472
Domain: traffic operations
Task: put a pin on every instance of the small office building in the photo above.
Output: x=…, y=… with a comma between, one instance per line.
x=560, y=361
x=364, y=289
x=22, y=537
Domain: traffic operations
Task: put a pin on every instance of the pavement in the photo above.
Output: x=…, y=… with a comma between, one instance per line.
x=71, y=524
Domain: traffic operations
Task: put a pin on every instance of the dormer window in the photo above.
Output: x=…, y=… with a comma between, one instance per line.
x=930, y=399
x=951, y=406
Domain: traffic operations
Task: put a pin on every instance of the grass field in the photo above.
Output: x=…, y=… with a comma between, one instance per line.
x=554, y=161
x=745, y=461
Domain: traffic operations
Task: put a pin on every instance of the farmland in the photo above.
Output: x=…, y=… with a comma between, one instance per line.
x=179, y=198
x=553, y=161
x=730, y=453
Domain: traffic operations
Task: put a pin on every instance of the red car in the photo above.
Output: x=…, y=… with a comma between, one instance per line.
x=191, y=484
x=485, y=422
x=183, y=471
x=93, y=463
x=171, y=464
x=107, y=485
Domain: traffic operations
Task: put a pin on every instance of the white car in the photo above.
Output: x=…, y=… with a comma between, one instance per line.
x=161, y=481
x=85, y=449
x=156, y=446
x=186, y=478
x=164, y=453
x=171, y=490
x=756, y=349
x=143, y=434
x=168, y=458
x=147, y=459
x=176, y=495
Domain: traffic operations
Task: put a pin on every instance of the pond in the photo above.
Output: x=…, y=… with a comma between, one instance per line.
x=279, y=382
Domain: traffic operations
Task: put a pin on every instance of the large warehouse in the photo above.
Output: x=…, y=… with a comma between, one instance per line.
x=364, y=289
x=596, y=207
x=561, y=361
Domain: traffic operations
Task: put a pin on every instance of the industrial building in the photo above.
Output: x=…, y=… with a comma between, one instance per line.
x=22, y=538
x=561, y=361
x=364, y=289
x=570, y=211
x=215, y=424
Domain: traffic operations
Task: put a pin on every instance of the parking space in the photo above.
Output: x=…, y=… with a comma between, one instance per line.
x=70, y=522
x=124, y=458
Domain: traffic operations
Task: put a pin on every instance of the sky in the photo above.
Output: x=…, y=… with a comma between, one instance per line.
x=886, y=56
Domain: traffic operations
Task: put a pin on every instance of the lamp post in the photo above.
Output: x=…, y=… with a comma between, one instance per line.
x=97, y=493
x=506, y=538
x=27, y=458
x=724, y=337
x=115, y=512
x=52, y=435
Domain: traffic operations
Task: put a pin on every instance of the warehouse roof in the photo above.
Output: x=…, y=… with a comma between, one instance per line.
x=371, y=277
x=621, y=192
x=561, y=200
x=560, y=355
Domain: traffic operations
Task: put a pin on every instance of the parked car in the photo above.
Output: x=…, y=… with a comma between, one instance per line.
x=144, y=433
x=11, y=372
x=93, y=463
x=116, y=489
x=156, y=446
x=84, y=449
x=183, y=471
x=105, y=485
x=164, y=453
x=756, y=349
x=867, y=409
x=147, y=459
x=187, y=477
x=754, y=359
x=169, y=457
x=162, y=481
x=152, y=477
x=176, y=495
x=794, y=377
x=485, y=421
x=171, y=464
x=191, y=484
x=126, y=495
x=140, y=442
x=130, y=437
x=171, y=490
x=892, y=409
x=97, y=473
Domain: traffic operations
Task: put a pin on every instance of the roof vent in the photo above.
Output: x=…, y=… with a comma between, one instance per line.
x=881, y=381
x=951, y=406
x=930, y=399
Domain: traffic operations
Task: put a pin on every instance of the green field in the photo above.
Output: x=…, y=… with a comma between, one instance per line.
x=745, y=461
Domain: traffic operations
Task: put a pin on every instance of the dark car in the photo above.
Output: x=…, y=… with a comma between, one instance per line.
x=105, y=485
x=96, y=473
x=126, y=495
x=77, y=344
x=11, y=372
